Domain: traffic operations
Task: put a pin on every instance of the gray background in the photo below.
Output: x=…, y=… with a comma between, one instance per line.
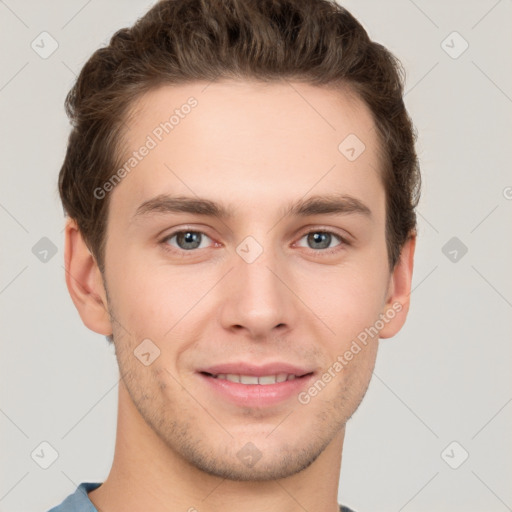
x=444, y=378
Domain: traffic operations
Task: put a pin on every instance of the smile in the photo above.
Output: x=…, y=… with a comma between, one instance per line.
x=263, y=380
x=260, y=391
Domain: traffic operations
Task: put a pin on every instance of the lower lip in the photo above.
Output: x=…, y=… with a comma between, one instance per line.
x=257, y=395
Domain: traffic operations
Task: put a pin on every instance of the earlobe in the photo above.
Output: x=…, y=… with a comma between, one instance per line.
x=84, y=281
x=399, y=292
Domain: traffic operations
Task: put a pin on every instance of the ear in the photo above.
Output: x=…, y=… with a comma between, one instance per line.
x=84, y=282
x=399, y=291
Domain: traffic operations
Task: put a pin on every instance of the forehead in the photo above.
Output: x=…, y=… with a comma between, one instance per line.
x=244, y=141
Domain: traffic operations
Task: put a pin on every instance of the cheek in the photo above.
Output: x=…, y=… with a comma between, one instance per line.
x=139, y=297
x=347, y=298
x=157, y=302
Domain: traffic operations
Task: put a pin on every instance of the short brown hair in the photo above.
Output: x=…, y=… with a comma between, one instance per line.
x=180, y=41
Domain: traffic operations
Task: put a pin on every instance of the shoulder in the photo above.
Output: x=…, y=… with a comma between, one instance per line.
x=345, y=509
x=78, y=501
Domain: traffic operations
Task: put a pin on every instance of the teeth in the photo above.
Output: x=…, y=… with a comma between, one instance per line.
x=252, y=379
x=248, y=379
x=267, y=379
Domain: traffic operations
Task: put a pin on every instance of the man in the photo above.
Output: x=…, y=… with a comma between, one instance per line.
x=240, y=184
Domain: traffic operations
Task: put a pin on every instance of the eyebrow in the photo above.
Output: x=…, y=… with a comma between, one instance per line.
x=337, y=204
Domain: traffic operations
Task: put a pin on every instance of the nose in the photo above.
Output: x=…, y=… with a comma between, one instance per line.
x=258, y=297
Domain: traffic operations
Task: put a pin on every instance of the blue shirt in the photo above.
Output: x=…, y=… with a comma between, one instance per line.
x=80, y=502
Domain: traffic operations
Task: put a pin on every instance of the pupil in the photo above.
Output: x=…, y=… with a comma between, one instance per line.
x=321, y=238
x=190, y=239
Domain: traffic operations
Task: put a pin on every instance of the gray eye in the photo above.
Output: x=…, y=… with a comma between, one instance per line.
x=320, y=239
x=187, y=240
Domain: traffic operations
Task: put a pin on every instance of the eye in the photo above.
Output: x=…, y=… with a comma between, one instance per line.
x=320, y=239
x=186, y=240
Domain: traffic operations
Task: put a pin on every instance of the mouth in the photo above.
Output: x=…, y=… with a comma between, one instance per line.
x=263, y=380
x=258, y=388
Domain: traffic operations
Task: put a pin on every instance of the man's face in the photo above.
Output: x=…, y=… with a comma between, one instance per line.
x=260, y=287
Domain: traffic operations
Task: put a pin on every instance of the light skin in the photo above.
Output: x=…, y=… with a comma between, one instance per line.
x=254, y=149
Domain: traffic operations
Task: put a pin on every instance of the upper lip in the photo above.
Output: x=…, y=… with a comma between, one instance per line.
x=243, y=368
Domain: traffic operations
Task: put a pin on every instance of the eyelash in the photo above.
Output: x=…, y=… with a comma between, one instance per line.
x=343, y=241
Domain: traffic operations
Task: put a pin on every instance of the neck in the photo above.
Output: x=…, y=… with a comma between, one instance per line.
x=147, y=475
